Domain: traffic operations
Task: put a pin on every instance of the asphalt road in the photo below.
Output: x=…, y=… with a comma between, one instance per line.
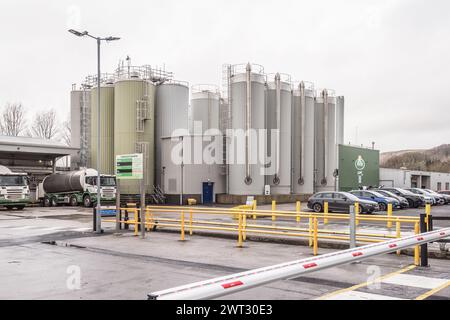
x=50, y=253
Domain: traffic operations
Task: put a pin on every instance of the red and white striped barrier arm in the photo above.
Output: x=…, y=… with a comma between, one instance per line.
x=221, y=286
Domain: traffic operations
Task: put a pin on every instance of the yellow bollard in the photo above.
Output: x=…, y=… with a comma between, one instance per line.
x=416, y=248
x=325, y=211
x=240, y=231
x=428, y=212
x=136, y=222
x=274, y=208
x=182, y=226
x=357, y=213
x=244, y=226
x=315, y=249
x=389, y=213
x=190, y=222
x=297, y=209
x=398, y=232
x=310, y=230
x=254, y=208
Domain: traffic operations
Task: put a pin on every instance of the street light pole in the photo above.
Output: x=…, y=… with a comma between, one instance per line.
x=98, y=218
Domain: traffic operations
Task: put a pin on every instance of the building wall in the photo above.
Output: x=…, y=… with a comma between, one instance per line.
x=411, y=178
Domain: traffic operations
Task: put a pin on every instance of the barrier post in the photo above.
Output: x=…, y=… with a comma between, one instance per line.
x=182, y=225
x=310, y=230
x=240, y=231
x=136, y=222
x=274, y=207
x=297, y=209
x=352, y=227
x=427, y=212
x=389, y=213
x=424, y=247
x=398, y=232
x=118, y=211
x=244, y=226
x=190, y=222
x=357, y=213
x=416, y=248
x=315, y=249
x=147, y=218
x=325, y=211
x=254, y=208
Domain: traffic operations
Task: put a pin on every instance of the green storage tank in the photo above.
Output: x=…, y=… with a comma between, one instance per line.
x=106, y=129
x=358, y=167
x=134, y=127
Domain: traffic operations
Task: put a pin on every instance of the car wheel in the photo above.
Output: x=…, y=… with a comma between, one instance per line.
x=47, y=202
x=383, y=206
x=87, y=202
x=73, y=201
x=317, y=207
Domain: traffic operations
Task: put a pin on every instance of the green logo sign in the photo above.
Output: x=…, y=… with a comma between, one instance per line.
x=360, y=163
x=130, y=166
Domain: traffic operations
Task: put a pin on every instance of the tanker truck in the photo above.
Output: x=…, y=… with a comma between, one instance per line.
x=14, y=189
x=77, y=187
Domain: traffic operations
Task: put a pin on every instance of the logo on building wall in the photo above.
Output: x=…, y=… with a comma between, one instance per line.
x=360, y=165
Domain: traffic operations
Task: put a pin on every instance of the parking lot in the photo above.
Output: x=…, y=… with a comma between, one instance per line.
x=45, y=251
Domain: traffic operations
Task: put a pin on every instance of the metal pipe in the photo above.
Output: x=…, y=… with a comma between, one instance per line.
x=248, y=179
x=301, y=180
x=325, y=136
x=226, y=285
x=276, y=179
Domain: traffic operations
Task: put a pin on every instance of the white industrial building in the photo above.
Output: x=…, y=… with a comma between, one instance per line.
x=403, y=178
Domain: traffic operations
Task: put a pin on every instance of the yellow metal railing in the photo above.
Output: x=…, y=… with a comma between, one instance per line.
x=157, y=216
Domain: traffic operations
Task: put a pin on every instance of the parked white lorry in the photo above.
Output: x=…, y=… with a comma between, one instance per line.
x=14, y=189
x=77, y=187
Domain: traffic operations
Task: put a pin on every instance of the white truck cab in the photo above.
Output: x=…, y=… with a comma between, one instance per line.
x=14, y=189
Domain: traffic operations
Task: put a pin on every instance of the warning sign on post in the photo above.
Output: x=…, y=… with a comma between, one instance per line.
x=130, y=166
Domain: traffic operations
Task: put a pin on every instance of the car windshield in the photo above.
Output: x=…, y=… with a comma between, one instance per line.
x=350, y=196
x=377, y=194
x=389, y=194
x=11, y=180
x=406, y=192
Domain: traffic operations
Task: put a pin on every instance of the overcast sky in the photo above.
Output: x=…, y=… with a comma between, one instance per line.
x=390, y=59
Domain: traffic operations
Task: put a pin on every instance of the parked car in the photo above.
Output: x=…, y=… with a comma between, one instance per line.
x=445, y=199
x=372, y=195
x=414, y=200
x=447, y=192
x=403, y=201
x=429, y=199
x=340, y=202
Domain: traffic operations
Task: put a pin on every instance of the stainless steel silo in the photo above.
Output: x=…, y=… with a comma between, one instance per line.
x=171, y=113
x=246, y=141
x=80, y=126
x=340, y=107
x=205, y=107
x=279, y=124
x=106, y=128
x=303, y=138
x=134, y=124
x=325, y=140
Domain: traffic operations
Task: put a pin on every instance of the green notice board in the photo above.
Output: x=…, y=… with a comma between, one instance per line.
x=130, y=166
x=358, y=167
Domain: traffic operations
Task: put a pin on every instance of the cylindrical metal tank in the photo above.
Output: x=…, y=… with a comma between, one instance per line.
x=340, y=107
x=135, y=127
x=205, y=108
x=245, y=147
x=64, y=182
x=303, y=138
x=278, y=125
x=325, y=140
x=172, y=104
x=106, y=128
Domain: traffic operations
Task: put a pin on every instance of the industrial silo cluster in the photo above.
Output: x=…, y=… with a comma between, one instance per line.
x=261, y=134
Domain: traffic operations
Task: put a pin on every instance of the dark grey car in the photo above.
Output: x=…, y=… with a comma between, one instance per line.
x=340, y=202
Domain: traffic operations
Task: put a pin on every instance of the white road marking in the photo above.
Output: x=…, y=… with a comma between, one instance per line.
x=415, y=281
x=357, y=295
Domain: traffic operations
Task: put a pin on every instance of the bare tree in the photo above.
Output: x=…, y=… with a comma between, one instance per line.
x=12, y=120
x=66, y=132
x=44, y=125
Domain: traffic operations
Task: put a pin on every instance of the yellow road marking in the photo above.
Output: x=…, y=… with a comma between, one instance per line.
x=367, y=283
x=435, y=290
